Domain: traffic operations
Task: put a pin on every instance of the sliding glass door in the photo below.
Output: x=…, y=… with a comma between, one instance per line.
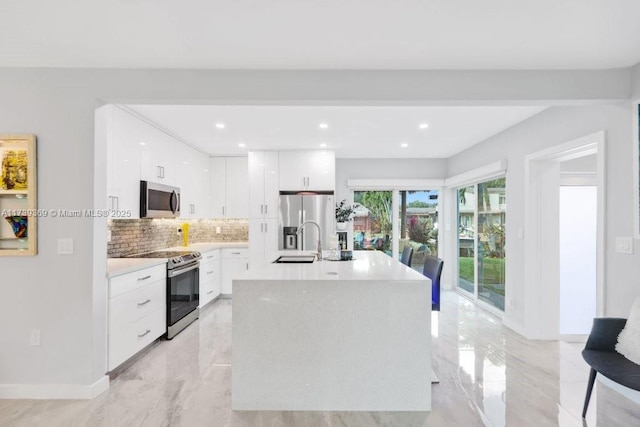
x=373, y=222
x=481, y=241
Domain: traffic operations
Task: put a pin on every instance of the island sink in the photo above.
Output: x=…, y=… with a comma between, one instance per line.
x=295, y=259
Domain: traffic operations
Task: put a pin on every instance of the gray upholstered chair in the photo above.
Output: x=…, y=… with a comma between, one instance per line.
x=433, y=270
x=600, y=353
x=407, y=254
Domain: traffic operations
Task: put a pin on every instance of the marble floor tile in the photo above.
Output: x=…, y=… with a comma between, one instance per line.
x=489, y=376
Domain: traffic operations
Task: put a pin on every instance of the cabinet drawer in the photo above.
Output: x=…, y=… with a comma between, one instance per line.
x=210, y=256
x=132, y=306
x=128, y=282
x=208, y=291
x=235, y=253
x=125, y=342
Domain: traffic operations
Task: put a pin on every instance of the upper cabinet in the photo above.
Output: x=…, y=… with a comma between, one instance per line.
x=158, y=156
x=263, y=184
x=124, y=134
x=229, y=187
x=137, y=150
x=307, y=170
x=193, y=180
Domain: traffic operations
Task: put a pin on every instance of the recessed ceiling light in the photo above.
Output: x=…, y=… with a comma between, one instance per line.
x=220, y=125
x=404, y=145
x=241, y=145
x=323, y=125
x=206, y=170
x=323, y=145
x=423, y=125
x=186, y=163
x=143, y=143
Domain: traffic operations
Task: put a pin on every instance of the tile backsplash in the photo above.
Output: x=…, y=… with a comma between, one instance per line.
x=134, y=236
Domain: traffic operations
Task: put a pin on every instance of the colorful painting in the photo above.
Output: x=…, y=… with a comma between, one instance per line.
x=14, y=169
x=19, y=225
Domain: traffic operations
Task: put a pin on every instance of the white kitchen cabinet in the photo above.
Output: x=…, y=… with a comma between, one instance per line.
x=209, y=277
x=123, y=134
x=158, y=156
x=263, y=184
x=307, y=170
x=137, y=312
x=234, y=262
x=263, y=240
x=193, y=180
x=229, y=187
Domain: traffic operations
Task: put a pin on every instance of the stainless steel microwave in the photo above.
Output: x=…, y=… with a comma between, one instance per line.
x=159, y=200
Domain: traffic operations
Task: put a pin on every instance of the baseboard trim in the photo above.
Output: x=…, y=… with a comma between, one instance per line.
x=54, y=391
x=516, y=327
x=632, y=395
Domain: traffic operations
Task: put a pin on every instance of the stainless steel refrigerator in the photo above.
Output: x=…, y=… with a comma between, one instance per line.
x=295, y=208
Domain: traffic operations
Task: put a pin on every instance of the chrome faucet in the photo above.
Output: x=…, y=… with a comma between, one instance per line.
x=319, y=254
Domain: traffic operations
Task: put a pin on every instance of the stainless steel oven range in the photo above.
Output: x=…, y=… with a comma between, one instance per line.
x=183, y=288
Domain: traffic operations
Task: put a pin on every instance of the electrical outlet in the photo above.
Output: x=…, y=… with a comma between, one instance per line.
x=179, y=232
x=108, y=236
x=218, y=230
x=35, y=336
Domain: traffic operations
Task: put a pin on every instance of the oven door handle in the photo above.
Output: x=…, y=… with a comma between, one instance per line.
x=174, y=273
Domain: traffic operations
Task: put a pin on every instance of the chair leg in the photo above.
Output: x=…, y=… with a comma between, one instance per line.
x=592, y=379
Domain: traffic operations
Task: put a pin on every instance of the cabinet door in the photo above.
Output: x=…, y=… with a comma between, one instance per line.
x=271, y=184
x=293, y=170
x=151, y=145
x=237, y=188
x=167, y=158
x=270, y=239
x=256, y=184
x=218, y=187
x=187, y=174
x=322, y=171
x=256, y=241
x=125, y=137
x=230, y=269
x=203, y=186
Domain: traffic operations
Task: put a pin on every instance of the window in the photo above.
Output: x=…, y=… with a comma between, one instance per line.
x=481, y=241
x=414, y=213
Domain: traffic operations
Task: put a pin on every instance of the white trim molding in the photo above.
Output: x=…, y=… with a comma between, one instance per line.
x=483, y=173
x=394, y=184
x=54, y=391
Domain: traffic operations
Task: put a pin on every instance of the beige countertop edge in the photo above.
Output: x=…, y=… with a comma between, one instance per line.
x=120, y=266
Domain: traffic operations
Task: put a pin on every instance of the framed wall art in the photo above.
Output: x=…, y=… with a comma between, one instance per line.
x=18, y=196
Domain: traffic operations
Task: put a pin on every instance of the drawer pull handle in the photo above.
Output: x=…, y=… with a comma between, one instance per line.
x=235, y=253
x=144, y=278
x=144, y=302
x=210, y=256
x=209, y=272
x=147, y=332
x=210, y=292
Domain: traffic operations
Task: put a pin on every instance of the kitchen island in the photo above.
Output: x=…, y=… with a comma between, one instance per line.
x=332, y=336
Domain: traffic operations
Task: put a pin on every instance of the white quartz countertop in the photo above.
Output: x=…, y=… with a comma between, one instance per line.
x=366, y=265
x=120, y=266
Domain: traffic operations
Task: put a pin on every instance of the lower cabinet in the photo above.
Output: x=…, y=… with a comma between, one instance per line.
x=209, y=276
x=234, y=262
x=137, y=312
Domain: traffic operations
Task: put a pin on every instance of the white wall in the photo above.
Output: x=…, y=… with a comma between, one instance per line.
x=65, y=296
x=386, y=169
x=554, y=126
x=635, y=82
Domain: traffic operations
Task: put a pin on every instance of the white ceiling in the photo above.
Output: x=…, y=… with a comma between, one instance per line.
x=356, y=132
x=321, y=34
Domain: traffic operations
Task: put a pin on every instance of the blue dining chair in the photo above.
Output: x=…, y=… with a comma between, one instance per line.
x=407, y=254
x=433, y=270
